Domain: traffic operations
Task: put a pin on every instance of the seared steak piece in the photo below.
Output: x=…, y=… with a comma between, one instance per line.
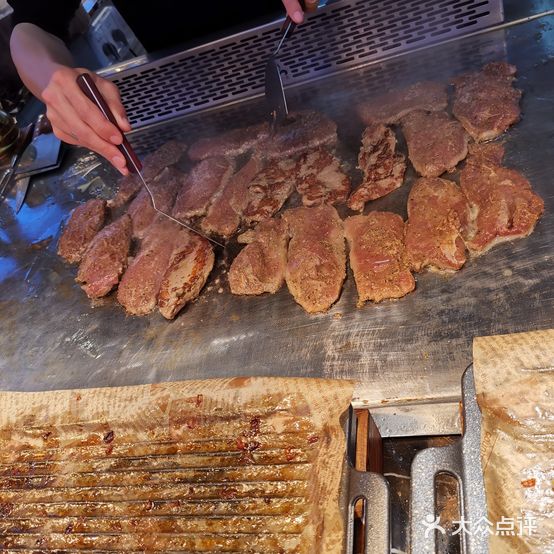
x=106, y=258
x=383, y=169
x=164, y=187
x=129, y=186
x=503, y=204
x=268, y=191
x=260, y=266
x=224, y=214
x=378, y=256
x=85, y=221
x=436, y=143
x=140, y=285
x=229, y=144
x=303, y=131
x=191, y=262
x=392, y=106
x=438, y=215
x=485, y=102
x=316, y=260
x=206, y=179
x=320, y=178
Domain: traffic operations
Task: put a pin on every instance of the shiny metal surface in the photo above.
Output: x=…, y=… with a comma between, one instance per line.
x=410, y=352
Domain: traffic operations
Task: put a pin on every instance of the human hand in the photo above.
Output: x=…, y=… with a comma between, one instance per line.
x=295, y=11
x=76, y=120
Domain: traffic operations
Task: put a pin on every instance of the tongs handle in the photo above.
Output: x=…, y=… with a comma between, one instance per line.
x=89, y=88
x=289, y=25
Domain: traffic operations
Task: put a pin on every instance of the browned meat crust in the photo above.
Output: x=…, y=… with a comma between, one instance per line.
x=436, y=143
x=260, y=266
x=85, y=221
x=383, y=169
x=438, y=216
x=106, y=258
x=503, y=204
x=378, y=256
x=485, y=102
x=191, y=262
x=316, y=261
x=392, y=106
x=206, y=179
x=321, y=179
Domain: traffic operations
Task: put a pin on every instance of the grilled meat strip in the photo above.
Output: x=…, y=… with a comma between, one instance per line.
x=191, y=262
x=320, y=178
x=438, y=215
x=85, y=221
x=224, y=214
x=164, y=187
x=503, y=204
x=378, y=257
x=383, y=169
x=486, y=103
x=436, y=143
x=206, y=179
x=260, y=266
x=316, y=260
x=392, y=106
x=166, y=155
x=106, y=258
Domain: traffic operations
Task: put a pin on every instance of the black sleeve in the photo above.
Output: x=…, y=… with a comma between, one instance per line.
x=53, y=16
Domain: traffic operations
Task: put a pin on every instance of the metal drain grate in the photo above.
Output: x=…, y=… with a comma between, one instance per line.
x=344, y=34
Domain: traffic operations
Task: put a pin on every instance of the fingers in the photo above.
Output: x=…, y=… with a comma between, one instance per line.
x=294, y=10
x=111, y=94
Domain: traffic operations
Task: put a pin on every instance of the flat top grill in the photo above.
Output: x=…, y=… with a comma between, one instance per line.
x=410, y=350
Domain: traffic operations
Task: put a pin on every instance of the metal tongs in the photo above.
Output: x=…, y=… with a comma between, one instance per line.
x=89, y=88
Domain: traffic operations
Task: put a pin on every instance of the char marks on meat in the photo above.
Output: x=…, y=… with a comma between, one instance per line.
x=268, y=191
x=204, y=182
x=260, y=266
x=140, y=285
x=392, y=106
x=229, y=144
x=378, y=257
x=85, y=221
x=106, y=258
x=436, y=143
x=316, y=260
x=320, y=178
x=485, y=102
x=224, y=214
x=129, y=186
x=438, y=215
x=383, y=168
x=191, y=262
x=503, y=204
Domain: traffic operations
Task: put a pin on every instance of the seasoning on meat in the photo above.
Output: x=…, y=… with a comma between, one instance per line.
x=438, y=216
x=140, y=285
x=229, y=144
x=268, y=191
x=224, y=214
x=106, y=258
x=129, y=186
x=436, y=143
x=485, y=102
x=164, y=188
x=320, y=178
x=378, y=256
x=392, y=106
x=85, y=221
x=316, y=260
x=383, y=169
x=191, y=262
x=206, y=179
x=503, y=204
x=260, y=266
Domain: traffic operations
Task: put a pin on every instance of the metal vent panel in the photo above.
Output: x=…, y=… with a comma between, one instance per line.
x=343, y=35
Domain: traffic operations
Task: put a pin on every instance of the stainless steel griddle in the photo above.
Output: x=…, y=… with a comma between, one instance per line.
x=409, y=353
